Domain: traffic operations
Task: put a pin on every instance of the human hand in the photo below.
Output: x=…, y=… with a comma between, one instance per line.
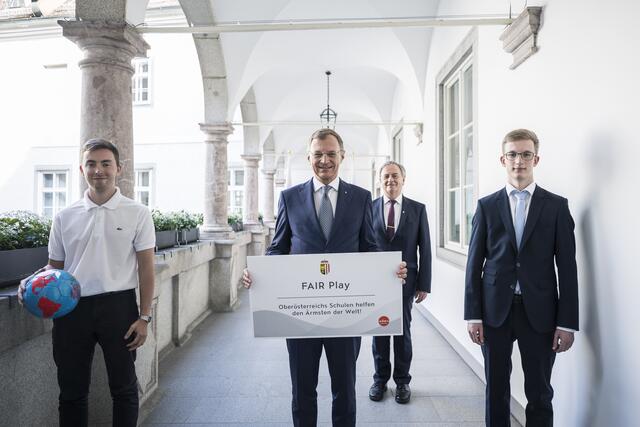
x=420, y=296
x=562, y=340
x=402, y=271
x=138, y=330
x=246, y=279
x=22, y=287
x=476, y=332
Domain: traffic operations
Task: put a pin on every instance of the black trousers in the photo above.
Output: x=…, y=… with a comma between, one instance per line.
x=402, y=350
x=102, y=319
x=537, y=362
x=304, y=362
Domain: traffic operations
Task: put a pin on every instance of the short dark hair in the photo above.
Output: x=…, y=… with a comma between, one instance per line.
x=324, y=133
x=98, y=144
x=389, y=163
x=520, y=135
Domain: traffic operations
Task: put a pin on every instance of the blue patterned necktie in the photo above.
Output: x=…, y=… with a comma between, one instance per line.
x=325, y=213
x=520, y=216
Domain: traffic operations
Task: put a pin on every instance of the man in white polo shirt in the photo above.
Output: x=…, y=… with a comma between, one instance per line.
x=106, y=241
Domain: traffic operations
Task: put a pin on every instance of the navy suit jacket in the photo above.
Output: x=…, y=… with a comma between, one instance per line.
x=298, y=230
x=412, y=238
x=494, y=263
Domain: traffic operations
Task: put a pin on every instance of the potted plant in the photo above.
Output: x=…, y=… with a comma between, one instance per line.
x=23, y=245
x=166, y=234
x=235, y=221
x=187, y=225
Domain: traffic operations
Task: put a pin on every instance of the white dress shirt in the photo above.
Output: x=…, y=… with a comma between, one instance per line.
x=397, y=211
x=318, y=192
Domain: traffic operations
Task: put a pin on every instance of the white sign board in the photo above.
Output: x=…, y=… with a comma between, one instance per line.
x=326, y=295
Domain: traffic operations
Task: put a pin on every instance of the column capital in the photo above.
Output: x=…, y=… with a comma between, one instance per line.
x=268, y=172
x=251, y=158
x=280, y=182
x=105, y=42
x=216, y=132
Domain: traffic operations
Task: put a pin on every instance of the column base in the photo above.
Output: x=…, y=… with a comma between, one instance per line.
x=216, y=232
x=252, y=226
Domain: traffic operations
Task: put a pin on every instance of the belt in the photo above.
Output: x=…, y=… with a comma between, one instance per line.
x=108, y=294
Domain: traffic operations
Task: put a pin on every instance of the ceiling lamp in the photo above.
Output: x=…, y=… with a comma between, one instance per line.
x=328, y=116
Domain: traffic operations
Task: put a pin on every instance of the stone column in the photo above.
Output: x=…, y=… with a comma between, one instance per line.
x=250, y=211
x=215, y=187
x=267, y=199
x=106, y=110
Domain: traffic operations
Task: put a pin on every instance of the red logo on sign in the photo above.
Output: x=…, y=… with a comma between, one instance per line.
x=383, y=321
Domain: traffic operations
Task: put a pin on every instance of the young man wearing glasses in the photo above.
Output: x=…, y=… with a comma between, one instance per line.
x=511, y=290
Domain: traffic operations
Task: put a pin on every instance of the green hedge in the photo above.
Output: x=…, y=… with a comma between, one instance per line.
x=23, y=229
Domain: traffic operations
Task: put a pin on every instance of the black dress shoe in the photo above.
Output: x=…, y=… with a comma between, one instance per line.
x=376, y=392
x=403, y=393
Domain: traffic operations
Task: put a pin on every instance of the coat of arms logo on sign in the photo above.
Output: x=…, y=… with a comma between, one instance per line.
x=324, y=267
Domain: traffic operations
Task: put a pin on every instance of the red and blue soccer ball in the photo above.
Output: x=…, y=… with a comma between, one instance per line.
x=51, y=294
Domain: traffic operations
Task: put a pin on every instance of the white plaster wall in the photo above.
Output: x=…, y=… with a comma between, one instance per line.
x=579, y=94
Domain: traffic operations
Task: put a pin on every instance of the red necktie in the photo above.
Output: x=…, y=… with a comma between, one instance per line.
x=391, y=219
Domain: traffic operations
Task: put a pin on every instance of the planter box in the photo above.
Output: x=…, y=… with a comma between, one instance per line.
x=166, y=239
x=20, y=263
x=238, y=226
x=188, y=236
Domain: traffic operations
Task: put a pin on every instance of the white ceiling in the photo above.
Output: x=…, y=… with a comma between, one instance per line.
x=286, y=69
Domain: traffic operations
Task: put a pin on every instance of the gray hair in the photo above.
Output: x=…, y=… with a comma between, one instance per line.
x=389, y=163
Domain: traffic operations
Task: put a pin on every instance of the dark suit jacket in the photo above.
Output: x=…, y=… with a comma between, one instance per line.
x=494, y=263
x=298, y=230
x=412, y=238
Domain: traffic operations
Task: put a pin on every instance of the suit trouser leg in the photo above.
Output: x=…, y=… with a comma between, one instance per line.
x=342, y=354
x=73, y=349
x=304, y=362
x=402, y=347
x=537, y=362
x=114, y=315
x=497, y=348
x=381, y=349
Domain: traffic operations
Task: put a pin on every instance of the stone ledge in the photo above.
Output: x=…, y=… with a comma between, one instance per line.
x=520, y=38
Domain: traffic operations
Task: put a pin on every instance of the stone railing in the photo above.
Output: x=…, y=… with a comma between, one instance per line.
x=191, y=282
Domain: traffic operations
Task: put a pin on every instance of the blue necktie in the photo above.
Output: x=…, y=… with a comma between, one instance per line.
x=325, y=213
x=520, y=216
x=520, y=219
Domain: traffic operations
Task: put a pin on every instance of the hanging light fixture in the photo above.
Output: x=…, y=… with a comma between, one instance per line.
x=328, y=116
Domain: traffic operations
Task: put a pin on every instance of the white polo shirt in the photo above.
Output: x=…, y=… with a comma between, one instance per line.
x=98, y=244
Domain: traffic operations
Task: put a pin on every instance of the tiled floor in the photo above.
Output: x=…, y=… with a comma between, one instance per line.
x=225, y=377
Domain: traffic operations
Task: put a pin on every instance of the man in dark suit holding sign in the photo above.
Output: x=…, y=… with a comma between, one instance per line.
x=323, y=215
x=400, y=224
x=511, y=290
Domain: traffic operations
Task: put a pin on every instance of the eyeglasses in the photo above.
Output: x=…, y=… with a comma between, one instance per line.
x=527, y=156
x=332, y=155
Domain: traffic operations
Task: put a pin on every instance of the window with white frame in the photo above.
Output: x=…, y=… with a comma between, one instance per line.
x=235, y=199
x=140, y=82
x=144, y=186
x=457, y=162
x=53, y=191
x=12, y=4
